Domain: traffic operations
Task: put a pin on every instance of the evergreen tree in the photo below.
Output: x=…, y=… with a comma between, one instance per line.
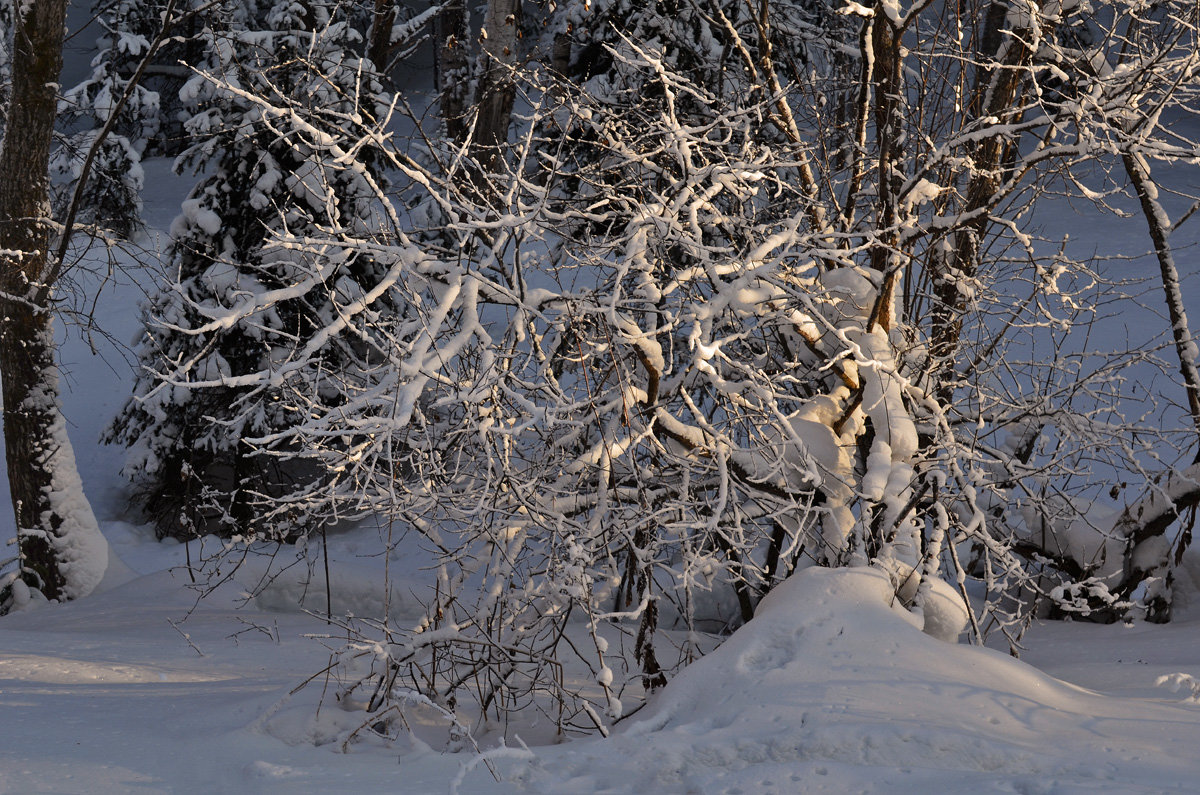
x=266, y=186
x=111, y=197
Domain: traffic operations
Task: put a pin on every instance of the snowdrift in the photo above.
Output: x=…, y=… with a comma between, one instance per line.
x=832, y=688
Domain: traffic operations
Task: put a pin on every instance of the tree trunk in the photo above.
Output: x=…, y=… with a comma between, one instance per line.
x=62, y=552
x=1000, y=81
x=1159, y=227
x=1149, y=552
x=379, y=45
x=494, y=100
x=451, y=67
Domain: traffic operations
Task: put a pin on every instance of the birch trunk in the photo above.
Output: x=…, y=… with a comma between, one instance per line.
x=497, y=90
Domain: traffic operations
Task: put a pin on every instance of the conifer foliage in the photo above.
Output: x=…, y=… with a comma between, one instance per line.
x=238, y=239
x=111, y=197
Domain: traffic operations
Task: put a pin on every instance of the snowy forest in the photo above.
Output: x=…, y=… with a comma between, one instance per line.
x=600, y=395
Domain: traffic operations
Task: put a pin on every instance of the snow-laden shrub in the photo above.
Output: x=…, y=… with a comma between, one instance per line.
x=677, y=342
x=112, y=198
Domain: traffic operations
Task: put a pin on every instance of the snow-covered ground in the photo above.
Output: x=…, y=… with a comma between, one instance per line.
x=829, y=689
x=142, y=688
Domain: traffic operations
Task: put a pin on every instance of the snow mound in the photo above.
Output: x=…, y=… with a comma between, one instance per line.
x=943, y=613
x=832, y=688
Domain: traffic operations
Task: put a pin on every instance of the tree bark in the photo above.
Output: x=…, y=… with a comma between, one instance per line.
x=57, y=537
x=497, y=91
x=379, y=46
x=451, y=67
x=5, y=63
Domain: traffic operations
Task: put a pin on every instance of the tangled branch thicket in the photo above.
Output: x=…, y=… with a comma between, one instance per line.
x=719, y=317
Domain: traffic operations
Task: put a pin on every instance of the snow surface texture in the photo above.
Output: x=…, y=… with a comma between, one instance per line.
x=829, y=689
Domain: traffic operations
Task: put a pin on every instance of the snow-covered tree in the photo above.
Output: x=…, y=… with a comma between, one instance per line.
x=111, y=195
x=696, y=335
x=478, y=51
x=264, y=182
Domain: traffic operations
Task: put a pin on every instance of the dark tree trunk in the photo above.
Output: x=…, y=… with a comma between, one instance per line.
x=26, y=361
x=35, y=438
x=379, y=47
x=452, y=68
